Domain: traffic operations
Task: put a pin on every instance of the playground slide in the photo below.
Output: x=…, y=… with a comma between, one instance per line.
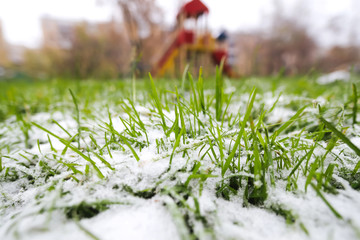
x=167, y=60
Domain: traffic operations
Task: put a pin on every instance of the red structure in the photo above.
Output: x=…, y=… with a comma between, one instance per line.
x=193, y=9
x=195, y=47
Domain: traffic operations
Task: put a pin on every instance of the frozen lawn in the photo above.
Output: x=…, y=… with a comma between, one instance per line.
x=198, y=164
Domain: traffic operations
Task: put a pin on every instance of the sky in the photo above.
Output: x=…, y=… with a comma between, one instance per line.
x=21, y=18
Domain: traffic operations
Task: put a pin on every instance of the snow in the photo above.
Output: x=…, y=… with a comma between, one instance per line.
x=150, y=221
x=339, y=75
x=280, y=115
x=36, y=210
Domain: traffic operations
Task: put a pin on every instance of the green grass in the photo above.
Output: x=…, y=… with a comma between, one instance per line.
x=224, y=136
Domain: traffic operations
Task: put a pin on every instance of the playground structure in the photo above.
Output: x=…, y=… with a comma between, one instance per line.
x=191, y=43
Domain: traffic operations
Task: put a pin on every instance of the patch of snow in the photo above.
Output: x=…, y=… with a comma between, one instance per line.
x=279, y=115
x=340, y=75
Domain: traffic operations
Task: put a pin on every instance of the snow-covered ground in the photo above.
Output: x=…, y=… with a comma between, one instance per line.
x=50, y=191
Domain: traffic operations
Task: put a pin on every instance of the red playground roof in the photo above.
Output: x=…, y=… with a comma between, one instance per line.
x=194, y=9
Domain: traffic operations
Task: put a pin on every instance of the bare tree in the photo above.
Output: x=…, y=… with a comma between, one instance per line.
x=141, y=18
x=286, y=46
x=99, y=51
x=3, y=49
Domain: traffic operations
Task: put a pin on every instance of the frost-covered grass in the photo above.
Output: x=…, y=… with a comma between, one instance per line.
x=256, y=158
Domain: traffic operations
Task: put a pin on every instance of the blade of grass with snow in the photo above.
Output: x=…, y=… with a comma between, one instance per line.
x=355, y=100
x=288, y=123
x=219, y=92
x=336, y=213
x=158, y=104
x=77, y=116
x=69, y=145
x=344, y=139
x=237, y=142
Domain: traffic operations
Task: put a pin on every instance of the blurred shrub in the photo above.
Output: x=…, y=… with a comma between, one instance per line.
x=339, y=57
x=103, y=53
x=287, y=48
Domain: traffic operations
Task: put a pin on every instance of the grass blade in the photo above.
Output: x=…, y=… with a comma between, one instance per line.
x=130, y=147
x=69, y=145
x=307, y=156
x=355, y=99
x=344, y=139
x=237, y=142
x=200, y=89
x=177, y=143
x=158, y=105
x=219, y=92
x=336, y=213
x=289, y=122
x=77, y=116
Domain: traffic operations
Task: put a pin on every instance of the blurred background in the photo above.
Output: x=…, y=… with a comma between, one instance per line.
x=111, y=39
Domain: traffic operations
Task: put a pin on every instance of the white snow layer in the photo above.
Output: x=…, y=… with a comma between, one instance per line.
x=36, y=211
x=340, y=75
